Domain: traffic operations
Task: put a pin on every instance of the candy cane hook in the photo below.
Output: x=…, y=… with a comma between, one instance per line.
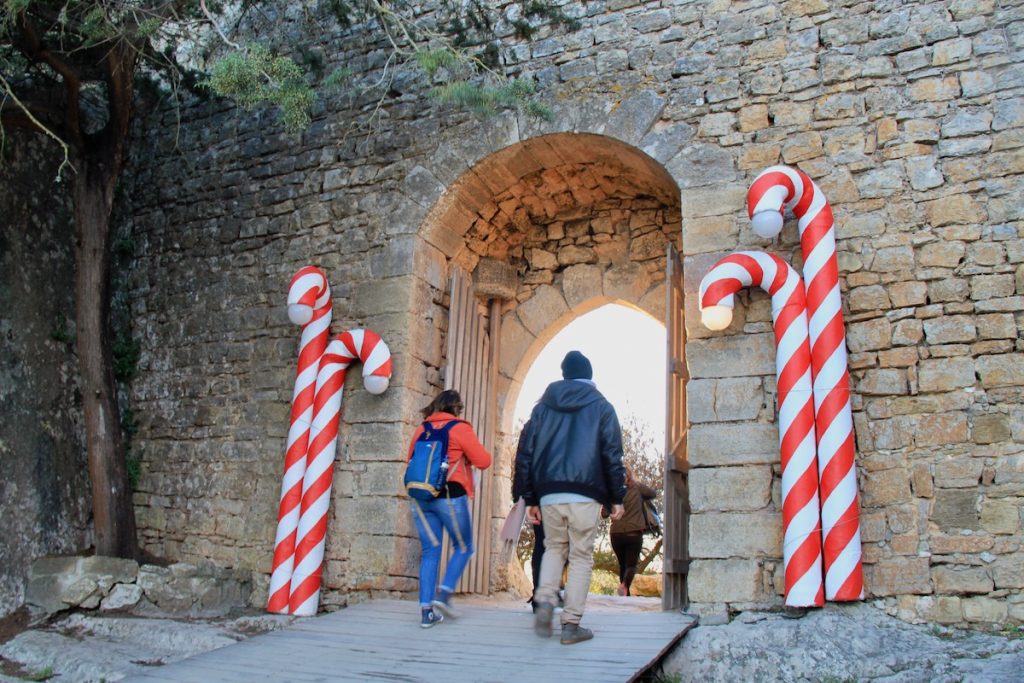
x=309, y=305
x=773, y=190
x=366, y=346
x=801, y=547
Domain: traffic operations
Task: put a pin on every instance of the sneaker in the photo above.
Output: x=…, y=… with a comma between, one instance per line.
x=574, y=633
x=430, y=618
x=543, y=613
x=445, y=608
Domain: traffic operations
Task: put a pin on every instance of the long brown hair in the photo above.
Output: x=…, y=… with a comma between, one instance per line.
x=448, y=401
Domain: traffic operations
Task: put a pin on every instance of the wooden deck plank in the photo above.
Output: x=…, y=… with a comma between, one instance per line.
x=381, y=641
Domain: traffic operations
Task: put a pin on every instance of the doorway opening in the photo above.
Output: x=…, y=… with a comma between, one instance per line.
x=626, y=348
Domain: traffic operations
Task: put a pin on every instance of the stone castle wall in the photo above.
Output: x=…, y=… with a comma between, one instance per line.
x=908, y=115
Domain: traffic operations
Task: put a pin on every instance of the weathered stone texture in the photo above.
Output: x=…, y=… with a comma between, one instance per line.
x=909, y=117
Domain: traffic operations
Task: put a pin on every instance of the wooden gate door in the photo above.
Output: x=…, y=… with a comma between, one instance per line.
x=471, y=369
x=677, y=493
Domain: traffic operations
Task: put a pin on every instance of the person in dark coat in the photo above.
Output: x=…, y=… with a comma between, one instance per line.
x=627, y=533
x=569, y=465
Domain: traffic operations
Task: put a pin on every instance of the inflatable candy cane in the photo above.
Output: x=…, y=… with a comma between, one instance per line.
x=366, y=346
x=801, y=547
x=774, y=189
x=309, y=305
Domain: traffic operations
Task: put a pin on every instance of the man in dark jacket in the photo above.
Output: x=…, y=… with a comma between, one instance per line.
x=569, y=465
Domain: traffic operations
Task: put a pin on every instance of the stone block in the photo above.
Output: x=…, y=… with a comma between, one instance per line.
x=732, y=356
x=997, y=326
x=941, y=254
x=1000, y=516
x=730, y=488
x=898, y=576
x=950, y=329
x=951, y=580
x=1002, y=370
x=940, y=429
x=869, y=298
x=921, y=481
x=123, y=595
x=724, y=581
x=883, y=488
x=959, y=209
x=731, y=399
x=711, y=234
x=941, y=609
x=581, y=283
x=723, y=535
x=732, y=444
x=962, y=472
x=985, y=287
x=942, y=544
x=883, y=382
x=985, y=610
x=869, y=335
x=542, y=309
x=945, y=374
x=1008, y=571
x=956, y=509
x=907, y=333
x=990, y=428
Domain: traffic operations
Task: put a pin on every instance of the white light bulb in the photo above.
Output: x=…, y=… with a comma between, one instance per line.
x=300, y=314
x=716, y=317
x=766, y=224
x=375, y=384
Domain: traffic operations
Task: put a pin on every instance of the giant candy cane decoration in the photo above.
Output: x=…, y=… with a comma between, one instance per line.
x=366, y=346
x=782, y=187
x=801, y=545
x=309, y=305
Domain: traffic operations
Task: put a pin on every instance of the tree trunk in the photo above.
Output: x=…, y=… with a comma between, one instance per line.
x=113, y=513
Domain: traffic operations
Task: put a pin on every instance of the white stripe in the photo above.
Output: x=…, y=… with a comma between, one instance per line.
x=828, y=308
x=801, y=460
x=824, y=250
x=771, y=200
x=312, y=515
x=831, y=438
x=817, y=203
x=842, y=567
x=804, y=591
x=378, y=356
x=838, y=502
x=829, y=378
x=308, y=608
x=794, y=339
x=803, y=525
x=308, y=565
x=327, y=414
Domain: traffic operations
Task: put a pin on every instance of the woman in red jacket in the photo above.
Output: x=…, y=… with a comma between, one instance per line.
x=449, y=511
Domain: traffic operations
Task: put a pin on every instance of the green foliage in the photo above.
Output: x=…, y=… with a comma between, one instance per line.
x=126, y=357
x=41, y=675
x=254, y=75
x=1012, y=632
x=61, y=333
x=604, y=582
x=485, y=99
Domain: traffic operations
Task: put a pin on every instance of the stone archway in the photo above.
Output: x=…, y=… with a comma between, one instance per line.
x=583, y=220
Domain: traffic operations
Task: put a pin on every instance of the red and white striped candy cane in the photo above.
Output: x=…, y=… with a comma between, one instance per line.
x=309, y=305
x=782, y=187
x=370, y=349
x=801, y=547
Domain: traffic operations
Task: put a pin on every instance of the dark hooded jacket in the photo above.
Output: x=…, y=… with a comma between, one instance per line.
x=571, y=444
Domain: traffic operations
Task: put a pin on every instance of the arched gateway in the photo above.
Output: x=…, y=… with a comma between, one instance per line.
x=526, y=240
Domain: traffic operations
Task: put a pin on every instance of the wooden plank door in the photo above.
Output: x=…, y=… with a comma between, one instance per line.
x=677, y=493
x=470, y=369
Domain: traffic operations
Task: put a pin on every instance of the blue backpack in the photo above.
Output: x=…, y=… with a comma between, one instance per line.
x=427, y=471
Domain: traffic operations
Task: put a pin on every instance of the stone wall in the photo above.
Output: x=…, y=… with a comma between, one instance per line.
x=910, y=119
x=45, y=501
x=908, y=115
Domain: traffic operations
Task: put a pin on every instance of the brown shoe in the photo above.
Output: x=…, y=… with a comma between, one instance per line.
x=574, y=633
x=543, y=613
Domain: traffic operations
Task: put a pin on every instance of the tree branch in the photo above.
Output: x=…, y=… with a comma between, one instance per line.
x=33, y=48
x=35, y=122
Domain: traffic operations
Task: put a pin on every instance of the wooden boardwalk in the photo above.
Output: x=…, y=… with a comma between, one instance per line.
x=381, y=640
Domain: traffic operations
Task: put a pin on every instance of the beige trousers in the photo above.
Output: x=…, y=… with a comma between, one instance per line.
x=569, y=533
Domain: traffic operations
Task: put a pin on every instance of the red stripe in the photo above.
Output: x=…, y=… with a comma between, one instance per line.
x=795, y=434
x=279, y=600
x=290, y=499
x=719, y=289
x=839, y=536
x=806, y=196
x=284, y=549
x=309, y=586
x=837, y=468
x=802, y=493
x=829, y=339
x=789, y=374
x=781, y=275
x=765, y=183
x=803, y=561
x=312, y=538
x=830, y=407
x=852, y=588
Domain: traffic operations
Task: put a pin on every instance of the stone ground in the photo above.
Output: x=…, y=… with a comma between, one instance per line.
x=839, y=643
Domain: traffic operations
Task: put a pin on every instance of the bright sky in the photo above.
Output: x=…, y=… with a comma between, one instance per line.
x=627, y=350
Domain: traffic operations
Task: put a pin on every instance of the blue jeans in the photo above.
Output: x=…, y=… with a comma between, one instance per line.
x=431, y=516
